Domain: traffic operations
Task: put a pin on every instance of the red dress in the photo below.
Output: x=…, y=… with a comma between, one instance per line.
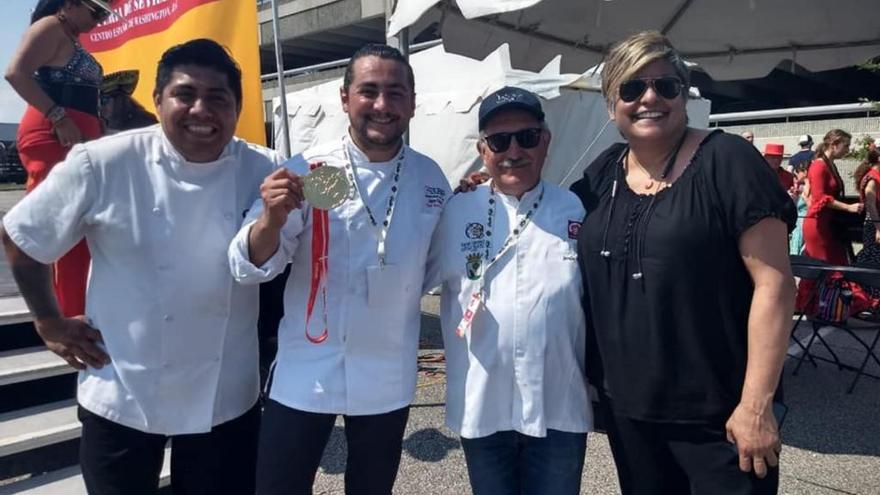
x=75, y=86
x=820, y=241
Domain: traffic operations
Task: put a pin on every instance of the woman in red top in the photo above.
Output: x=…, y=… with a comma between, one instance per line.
x=826, y=191
x=60, y=81
x=868, y=179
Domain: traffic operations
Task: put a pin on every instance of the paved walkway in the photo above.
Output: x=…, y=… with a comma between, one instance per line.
x=832, y=439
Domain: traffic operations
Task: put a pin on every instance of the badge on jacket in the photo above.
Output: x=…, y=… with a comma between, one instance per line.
x=474, y=266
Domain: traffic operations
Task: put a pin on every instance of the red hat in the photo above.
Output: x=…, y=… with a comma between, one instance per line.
x=773, y=149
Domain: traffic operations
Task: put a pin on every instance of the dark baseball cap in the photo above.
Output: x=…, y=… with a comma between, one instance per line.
x=510, y=97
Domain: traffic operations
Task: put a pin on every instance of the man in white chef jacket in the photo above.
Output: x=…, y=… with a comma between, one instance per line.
x=349, y=337
x=168, y=345
x=511, y=315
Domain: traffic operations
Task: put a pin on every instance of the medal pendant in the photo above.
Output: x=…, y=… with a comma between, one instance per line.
x=325, y=187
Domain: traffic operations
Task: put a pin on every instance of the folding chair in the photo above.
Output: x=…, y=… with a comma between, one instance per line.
x=806, y=268
x=866, y=277
x=812, y=269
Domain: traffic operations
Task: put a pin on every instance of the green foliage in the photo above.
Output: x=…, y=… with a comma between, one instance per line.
x=858, y=149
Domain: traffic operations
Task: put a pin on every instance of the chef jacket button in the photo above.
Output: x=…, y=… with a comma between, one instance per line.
x=168, y=318
x=156, y=211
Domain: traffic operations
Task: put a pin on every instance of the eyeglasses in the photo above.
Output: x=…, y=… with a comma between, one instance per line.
x=526, y=138
x=98, y=14
x=668, y=87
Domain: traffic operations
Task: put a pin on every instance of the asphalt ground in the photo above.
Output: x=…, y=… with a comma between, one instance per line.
x=831, y=438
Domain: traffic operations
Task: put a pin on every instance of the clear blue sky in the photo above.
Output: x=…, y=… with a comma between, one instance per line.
x=14, y=18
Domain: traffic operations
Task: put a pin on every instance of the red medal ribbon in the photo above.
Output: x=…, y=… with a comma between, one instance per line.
x=320, y=250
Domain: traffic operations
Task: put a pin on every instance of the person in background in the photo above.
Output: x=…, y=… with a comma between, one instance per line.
x=688, y=288
x=60, y=81
x=801, y=195
x=515, y=393
x=827, y=190
x=168, y=346
x=867, y=177
x=119, y=110
x=773, y=154
x=805, y=155
x=748, y=136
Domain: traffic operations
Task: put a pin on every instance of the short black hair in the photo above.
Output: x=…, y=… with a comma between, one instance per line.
x=382, y=51
x=203, y=53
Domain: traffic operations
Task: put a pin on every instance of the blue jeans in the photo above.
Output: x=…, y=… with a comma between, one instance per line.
x=510, y=463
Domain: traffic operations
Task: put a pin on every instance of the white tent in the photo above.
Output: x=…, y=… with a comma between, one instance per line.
x=729, y=39
x=449, y=90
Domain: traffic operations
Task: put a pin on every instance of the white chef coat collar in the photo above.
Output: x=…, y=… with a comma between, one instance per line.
x=360, y=158
x=179, y=162
x=530, y=195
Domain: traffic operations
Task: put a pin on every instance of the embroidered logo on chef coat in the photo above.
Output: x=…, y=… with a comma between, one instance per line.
x=574, y=228
x=434, y=197
x=474, y=266
x=474, y=230
x=469, y=246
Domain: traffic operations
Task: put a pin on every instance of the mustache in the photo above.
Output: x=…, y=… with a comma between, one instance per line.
x=515, y=163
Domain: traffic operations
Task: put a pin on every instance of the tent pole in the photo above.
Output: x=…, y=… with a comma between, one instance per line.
x=282, y=93
x=401, y=42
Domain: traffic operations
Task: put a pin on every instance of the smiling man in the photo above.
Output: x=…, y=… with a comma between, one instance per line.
x=168, y=347
x=348, y=341
x=513, y=327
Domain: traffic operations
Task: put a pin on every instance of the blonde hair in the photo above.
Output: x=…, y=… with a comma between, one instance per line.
x=632, y=54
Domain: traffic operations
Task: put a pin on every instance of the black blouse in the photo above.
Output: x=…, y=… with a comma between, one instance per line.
x=671, y=345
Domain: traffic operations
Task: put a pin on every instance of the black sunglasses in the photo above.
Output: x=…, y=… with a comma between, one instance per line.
x=526, y=138
x=98, y=14
x=668, y=87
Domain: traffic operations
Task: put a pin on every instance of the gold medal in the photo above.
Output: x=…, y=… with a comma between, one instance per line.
x=326, y=187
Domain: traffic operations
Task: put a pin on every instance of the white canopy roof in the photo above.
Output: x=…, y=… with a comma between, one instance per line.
x=729, y=39
x=449, y=89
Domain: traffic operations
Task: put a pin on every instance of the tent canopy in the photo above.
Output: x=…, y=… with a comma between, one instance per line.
x=449, y=89
x=729, y=39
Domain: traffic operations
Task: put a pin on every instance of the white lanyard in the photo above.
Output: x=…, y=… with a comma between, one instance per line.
x=381, y=231
x=478, y=297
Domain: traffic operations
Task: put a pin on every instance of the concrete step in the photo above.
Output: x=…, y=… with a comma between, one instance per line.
x=13, y=310
x=32, y=363
x=69, y=481
x=38, y=426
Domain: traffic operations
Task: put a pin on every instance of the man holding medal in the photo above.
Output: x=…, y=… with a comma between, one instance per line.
x=354, y=217
x=513, y=326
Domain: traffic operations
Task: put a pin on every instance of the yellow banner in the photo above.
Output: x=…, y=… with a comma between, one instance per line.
x=137, y=38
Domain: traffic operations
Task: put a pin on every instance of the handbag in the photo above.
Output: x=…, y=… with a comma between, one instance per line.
x=835, y=299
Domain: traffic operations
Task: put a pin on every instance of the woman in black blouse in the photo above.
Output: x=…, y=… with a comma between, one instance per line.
x=689, y=293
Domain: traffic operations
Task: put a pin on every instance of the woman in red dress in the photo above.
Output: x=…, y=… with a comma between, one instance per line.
x=826, y=192
x=821, y=240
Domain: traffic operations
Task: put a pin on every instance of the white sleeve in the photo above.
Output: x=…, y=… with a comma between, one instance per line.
x=240, y=264
x=53, y=217
x=434, y=270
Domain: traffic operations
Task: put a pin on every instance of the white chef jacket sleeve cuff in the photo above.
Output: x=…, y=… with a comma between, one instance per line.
x=240, y=264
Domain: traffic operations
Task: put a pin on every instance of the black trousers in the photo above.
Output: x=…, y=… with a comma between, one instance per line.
x=675, y=459
x=292, y=443
x=118, y=460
